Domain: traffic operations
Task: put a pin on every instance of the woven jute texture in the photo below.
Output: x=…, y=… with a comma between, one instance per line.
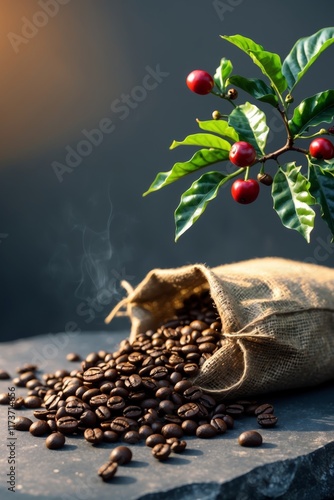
x=277, y=317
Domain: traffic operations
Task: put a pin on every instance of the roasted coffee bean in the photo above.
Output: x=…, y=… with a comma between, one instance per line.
x=33, y=384
x=267, y=420
x=229, y=421
x=104, y=424
x=163, y=393
x=27, y=367
x=119, y=391
x=120, y=425
x=206, y=431
x=234, y=410
x=74, y=408
x=39, y=428
x=166, y=406
x=98, y=400
x=220, y=408
x=94, y=436
x=42, y=414
x=67, y=424
x=172, y=430
x=126, y=368
x=182, y=386
x=86, y=397
x=103, y=413
x=132, y=437
x=133, y=382
x=265, y=408
x=132, y=411
x=88, y=419
x=173, y=419
x=22, y=423
x=161, y=451
x=189, y=427
x=4, y=398
x=191, y=369
x=107, y=470
x=188, y=410
x=155, y=439
x=106, y=387
x=177, y=398
x=52, y=401
x=17, y=403
x=250, y=438
x=92, y=357
x=207, y=347
x=219, y=425
x=52, y=424
x=55, y=441
x=72, y=356
x=198, y=325
x=93, y=374
x=121, y=455
x=159, y=372
x=26, y=376
x=193, y=393
x=178, y=446
x=156, y=427
x=116, y=403
x=149, y=404
x=144, y=431
x=110, y=436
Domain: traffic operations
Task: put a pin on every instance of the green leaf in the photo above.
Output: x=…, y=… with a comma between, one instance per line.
x=322, y=182
x=222, y=73
x=292, y=199
x=250, y=123
x=268, y=62
x=256, y=88
x=203, y=140
x=304, y=53
x=201, y=158
x=313, y=111
x=220, y=127
x=195, y=200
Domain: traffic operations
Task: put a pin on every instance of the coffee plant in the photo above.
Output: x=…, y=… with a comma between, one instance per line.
x=240, y=137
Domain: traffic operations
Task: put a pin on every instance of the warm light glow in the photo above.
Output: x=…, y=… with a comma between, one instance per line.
x=57, y=73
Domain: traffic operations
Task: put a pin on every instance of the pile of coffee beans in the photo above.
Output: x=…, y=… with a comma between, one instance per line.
x=142, y=392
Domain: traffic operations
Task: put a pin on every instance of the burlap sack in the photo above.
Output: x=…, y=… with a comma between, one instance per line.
x=277, y=317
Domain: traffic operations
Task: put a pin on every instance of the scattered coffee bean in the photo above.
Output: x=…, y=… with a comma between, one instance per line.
x=4, y=375
x=161, y=451
x=110, y=436
x=132, y=437
x=22, y=423
x=121, y=455
x=67, y=424
x=39, y=428
x=4, y=398
x=17, y=403
x=267, y=420
x=155, y=439
x=144, y=391
x=172, y=430
x=32, y=402
x=206, y=431
x=55, y=441
x=178, y=446
x=94, y=436
x=72, y=356
x=250, y=438
x=107, y=470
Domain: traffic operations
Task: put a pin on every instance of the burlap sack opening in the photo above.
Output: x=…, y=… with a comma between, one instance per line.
x=277, y=317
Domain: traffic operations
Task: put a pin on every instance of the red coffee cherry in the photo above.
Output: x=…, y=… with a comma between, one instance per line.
x=245, y=192
x=242, y=154
x=322, y=149
x=200, y=82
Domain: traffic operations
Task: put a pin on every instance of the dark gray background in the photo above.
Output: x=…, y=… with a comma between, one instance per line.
x=66, y=245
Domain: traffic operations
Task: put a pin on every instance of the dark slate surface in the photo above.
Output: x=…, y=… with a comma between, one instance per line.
x=296, y=460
